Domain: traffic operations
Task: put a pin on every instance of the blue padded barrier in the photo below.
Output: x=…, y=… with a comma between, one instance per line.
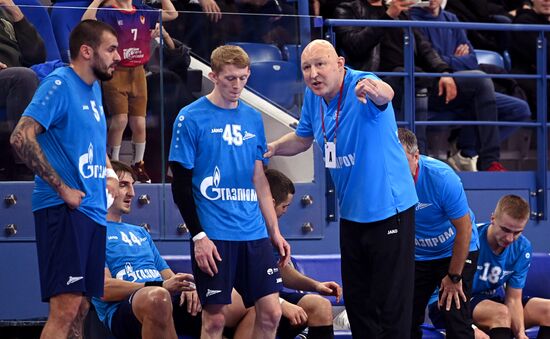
x=538, y=278
x=489, y=57
x=324, y=267
x=258, y=52
x=39, y=17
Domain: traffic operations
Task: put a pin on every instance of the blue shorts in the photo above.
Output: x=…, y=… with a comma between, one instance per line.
x=125, y=325
x=437, y=317
x=248, y=266
x=71, y=252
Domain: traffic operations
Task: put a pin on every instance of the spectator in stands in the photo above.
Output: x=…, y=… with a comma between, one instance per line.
x=377, y=210
x=446, y=243
x=219, y=186
x=498, y=306
x=455, y=49
x=126, y=94
x=143, y=297
x=62, y=138
x=473, y=97
x=523, y=50
x=20, y=47
x=299, y=310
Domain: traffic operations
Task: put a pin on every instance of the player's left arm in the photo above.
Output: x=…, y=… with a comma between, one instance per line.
x=265, y=200
x=293, y=279
x=453, y=291
x=169, y=12
x=513, y=301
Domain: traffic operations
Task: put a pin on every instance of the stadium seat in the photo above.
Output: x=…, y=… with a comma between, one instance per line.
x=258, y=52
x=64, y=16
x=489, y=57
x=278, y=81
x=293, y=53
x=38, y=15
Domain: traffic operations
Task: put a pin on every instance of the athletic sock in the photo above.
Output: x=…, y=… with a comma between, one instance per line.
x=138, y=150
x=321, y=332
x=114, y=152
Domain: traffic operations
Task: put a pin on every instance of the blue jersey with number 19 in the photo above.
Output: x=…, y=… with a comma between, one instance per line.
x=221, y=146
x=74, y=141
x=510, y=267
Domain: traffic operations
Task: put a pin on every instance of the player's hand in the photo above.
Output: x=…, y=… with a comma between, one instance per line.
x=462, y=50
x=72, y=197
x=329, y=288
x=112, y=187
x=271, y=150
x=450, y=292
x=206, y=255
x=3, y=66
x=375, y=90
x=193, y=302
x=212, y=10
x=447, y=87
x=179, y=282
x=294, y=313
x=282, y=247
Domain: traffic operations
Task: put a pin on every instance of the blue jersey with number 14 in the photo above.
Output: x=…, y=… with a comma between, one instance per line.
x=130, y=255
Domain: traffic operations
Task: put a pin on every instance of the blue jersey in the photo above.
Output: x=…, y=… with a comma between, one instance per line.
x=510, y=267
x=74, y=141
x=132, y=256
x=371, y=166
x=441, y=198
x=222, y=147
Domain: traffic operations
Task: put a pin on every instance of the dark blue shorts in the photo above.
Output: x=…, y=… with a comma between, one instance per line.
x=285, y=329
x=71, y=252
x=248, y=266
x=125, y=325
x=438, y=319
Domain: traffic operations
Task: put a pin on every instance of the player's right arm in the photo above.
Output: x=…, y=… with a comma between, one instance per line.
x=91, y=11
x=206, y=252
x=513, y=299
x=23, y=141
x=289, y=144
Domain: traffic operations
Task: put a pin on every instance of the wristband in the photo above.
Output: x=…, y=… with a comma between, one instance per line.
x=110, y=173
x=199, y=236
x=154, y=283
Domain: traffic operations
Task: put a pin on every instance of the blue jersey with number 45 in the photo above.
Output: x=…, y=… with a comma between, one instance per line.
x=510, y=267
x=222, y=146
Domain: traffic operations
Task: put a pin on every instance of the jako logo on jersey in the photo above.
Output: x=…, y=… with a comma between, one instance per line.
x=435, y=241
x=86, y=165
x=210, y=190
x=422, y=205
x=128, y=274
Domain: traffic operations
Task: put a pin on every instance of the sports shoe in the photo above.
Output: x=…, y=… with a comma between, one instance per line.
x=142, y=176
x=462, y=164
x=496, y=167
